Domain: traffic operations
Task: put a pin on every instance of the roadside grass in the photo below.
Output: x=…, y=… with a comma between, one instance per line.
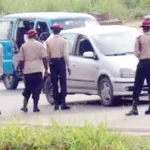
x=59, y=137
x=122, y=9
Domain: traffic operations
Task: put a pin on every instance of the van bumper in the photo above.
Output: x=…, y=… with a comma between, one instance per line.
x=124, y=87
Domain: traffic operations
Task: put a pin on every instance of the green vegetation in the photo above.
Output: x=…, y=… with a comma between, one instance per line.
x=59, y=137
x=124, y=9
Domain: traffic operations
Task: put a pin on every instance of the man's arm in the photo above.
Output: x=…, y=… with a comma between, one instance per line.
x=45, y=64
x=21, y=60
x=21, y=65
x=44, y=59
x=137, y=47
x=66, y=56
x=48, y=49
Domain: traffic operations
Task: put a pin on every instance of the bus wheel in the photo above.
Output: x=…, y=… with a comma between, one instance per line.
x=10, y=81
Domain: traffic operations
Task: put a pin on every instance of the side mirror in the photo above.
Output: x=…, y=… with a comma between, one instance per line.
x=88, y=55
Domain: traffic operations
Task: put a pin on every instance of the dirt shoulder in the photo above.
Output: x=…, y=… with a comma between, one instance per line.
x=136, y=23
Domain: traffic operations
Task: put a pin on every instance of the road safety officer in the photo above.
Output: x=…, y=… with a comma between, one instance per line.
x=58, y=55
x=32, y=54
x=1, y=62
x=142, y=51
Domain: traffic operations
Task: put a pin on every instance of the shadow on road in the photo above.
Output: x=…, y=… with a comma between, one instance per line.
x=86, y=102
x=125, y=102
x=7, y=92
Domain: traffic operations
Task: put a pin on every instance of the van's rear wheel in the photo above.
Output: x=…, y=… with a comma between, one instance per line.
x=10, y=82
x=48, y=90
x=106, y=93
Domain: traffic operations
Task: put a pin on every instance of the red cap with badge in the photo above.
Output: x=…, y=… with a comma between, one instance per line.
x=31, y=33
x=56, y=27
x=146, y=23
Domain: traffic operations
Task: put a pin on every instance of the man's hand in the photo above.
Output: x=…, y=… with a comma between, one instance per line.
x=0, y=77
x=69, y=71
x=46, y=73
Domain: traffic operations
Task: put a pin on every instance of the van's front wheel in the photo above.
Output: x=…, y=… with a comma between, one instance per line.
x=10, y=81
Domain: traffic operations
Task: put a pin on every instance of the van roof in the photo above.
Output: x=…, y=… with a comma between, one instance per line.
x=49, y=15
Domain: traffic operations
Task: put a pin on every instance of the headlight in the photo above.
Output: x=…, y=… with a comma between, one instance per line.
x=127, y=73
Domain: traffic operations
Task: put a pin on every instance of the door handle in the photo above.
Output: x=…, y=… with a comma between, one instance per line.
x=73, y=64
x=9, y=50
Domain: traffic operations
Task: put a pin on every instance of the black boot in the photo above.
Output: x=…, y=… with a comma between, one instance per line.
x=35, y=108
x=64, y=107
x=56, y=107
x=63, y=104
x=57, y=102
x=147, y=112
x=133, y=111
x=25, y=103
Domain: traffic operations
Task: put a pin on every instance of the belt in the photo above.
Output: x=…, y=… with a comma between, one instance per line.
x=143, y=60
x=60, y=58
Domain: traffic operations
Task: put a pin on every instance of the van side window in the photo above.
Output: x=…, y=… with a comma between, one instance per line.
x=43, y=31
x=71, y=38
x=5, y=30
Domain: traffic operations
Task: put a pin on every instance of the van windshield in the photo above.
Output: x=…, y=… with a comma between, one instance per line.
x=75, y=22
x=116, y=43
x=5, y=30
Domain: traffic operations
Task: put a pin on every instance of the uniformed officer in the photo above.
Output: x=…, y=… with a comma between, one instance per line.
x=1, y=62
x=58, y=55
x=32, y=53
x=142, y=51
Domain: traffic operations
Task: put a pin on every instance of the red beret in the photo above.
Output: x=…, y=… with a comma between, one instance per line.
x=56, y=27
x=31, y=33
x=146, y=23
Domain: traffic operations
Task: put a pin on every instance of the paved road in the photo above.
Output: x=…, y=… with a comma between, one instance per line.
x=93, y=112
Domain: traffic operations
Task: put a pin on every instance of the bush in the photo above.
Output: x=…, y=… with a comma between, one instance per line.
x=123, y=9
x=59, y=137
x=132, y=3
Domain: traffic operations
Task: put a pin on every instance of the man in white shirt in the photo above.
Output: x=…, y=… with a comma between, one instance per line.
x=142, y=52
x=32, y=53
x=58, y=55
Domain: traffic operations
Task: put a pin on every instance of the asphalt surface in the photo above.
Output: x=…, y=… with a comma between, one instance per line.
x=83, y=109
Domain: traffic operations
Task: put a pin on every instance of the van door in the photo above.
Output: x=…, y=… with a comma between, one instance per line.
x=85, y=69
x=7, y=27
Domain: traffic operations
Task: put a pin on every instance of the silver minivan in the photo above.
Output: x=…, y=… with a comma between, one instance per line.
x=102, y=62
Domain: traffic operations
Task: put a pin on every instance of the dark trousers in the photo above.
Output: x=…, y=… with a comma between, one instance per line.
x=58, y=73
x=33, y=85
x=142, y=73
